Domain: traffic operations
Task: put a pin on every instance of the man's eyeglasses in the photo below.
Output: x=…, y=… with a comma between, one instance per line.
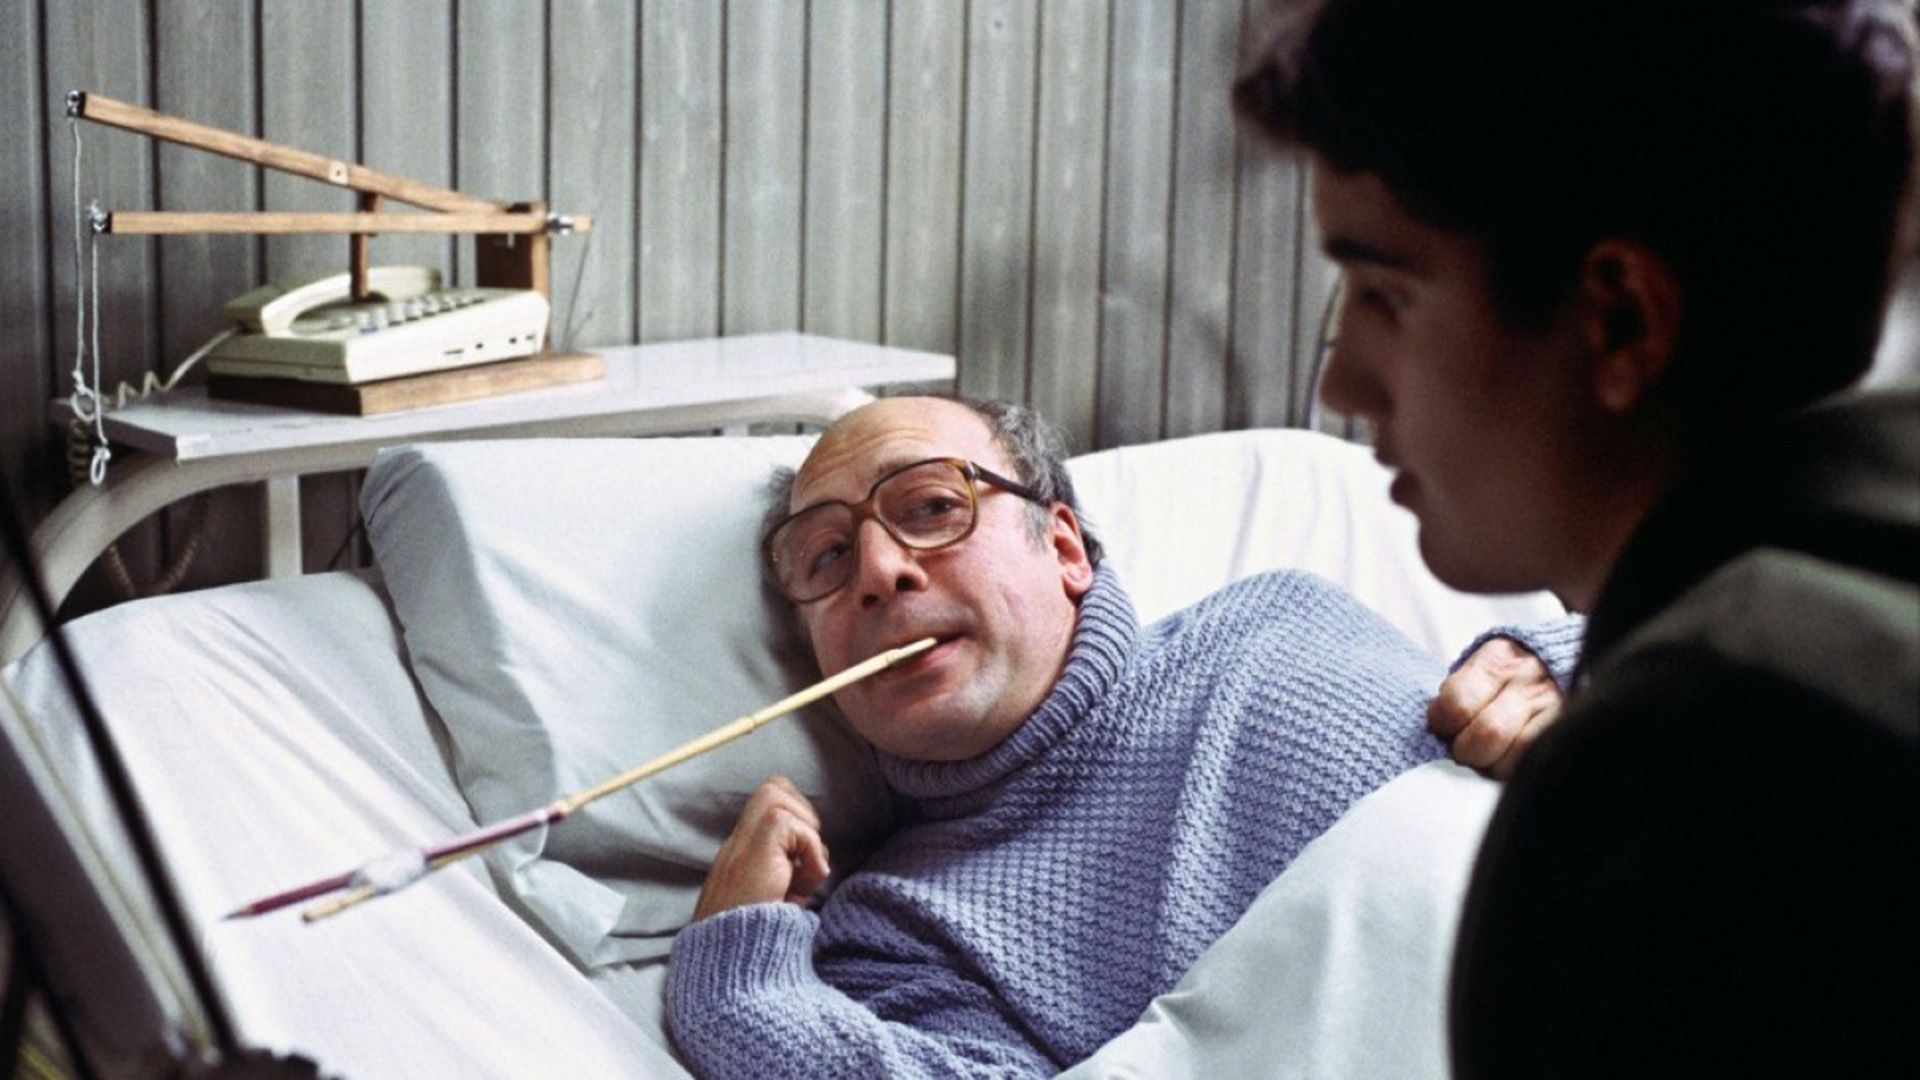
x=927, y=505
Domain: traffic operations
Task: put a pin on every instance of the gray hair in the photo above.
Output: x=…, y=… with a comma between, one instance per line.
x=1034, y=447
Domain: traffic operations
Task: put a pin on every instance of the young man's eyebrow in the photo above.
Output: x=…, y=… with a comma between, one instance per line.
x=1346, y=250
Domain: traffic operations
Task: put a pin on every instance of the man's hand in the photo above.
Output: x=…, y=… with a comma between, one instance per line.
x=1493, y=708
x=774, y=853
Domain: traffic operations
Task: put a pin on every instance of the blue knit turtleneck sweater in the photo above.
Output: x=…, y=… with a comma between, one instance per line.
x=1043, y=893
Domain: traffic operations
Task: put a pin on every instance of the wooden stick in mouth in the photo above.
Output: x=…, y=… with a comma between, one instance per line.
x=400, y=869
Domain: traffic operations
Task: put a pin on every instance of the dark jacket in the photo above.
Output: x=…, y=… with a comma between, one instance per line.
x=1711, y=865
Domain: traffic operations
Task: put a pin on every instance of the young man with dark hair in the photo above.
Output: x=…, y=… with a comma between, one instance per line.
x=1608, y=262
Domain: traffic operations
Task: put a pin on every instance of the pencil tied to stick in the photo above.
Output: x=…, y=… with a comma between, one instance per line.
x=383, y=875
x=397, y=870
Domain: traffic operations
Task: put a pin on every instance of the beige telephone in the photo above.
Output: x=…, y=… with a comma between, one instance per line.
x=313, y=329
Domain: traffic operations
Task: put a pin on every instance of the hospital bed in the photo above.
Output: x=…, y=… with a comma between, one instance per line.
x=543, y=613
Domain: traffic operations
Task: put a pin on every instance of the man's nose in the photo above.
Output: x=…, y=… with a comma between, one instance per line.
x=1348, y=384
x=886, y=567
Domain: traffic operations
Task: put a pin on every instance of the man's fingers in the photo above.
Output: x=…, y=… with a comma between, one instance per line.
x=1538, y=721
x=780, y=791
x=1463, y=695
x=796, y=855
x=808, y=855
x=773, y=854
x=1497, y=737
x=1490, y=734
x=1483, y=742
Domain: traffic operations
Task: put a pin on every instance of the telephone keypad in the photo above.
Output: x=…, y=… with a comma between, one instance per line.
x=372, y=316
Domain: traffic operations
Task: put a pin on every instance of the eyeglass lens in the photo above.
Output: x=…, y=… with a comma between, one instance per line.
x=927, y=506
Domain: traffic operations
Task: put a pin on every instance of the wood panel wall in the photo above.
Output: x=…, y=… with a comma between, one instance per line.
x=1053, y=190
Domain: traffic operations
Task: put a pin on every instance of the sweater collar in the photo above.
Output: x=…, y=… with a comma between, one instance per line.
x=1103, y=640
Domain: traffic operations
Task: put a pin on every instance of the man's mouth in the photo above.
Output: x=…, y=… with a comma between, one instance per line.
x=1402, y=488
x=1403, y=484
x=945, y=646
x=901, y=638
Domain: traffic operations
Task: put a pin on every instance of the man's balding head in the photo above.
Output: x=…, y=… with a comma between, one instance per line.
x=1003, y=600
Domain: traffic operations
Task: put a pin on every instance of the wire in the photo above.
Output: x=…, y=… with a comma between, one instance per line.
x=85, y=400
x=88, y=450
x=85, y=465
x=359, y=529
x=569, y=329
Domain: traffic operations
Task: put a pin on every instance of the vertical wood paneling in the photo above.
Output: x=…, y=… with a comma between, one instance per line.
x=845, y=166
x=1263, y=333
x=1314, y=280
x=680, y=139
x=996, y=239
x=1133, y=325
x=307, y=100
x=1318, y=276
x=595, y=77
x=760, y=214
x=1266, y=283
x=406, y=111
x=210, y=49
x=924, y=101
x=210, y=43
x=1071, y=134
x=1200, y=265
x=26, y=364
x=500, y=105
x=405, y=118
x=1054, y=190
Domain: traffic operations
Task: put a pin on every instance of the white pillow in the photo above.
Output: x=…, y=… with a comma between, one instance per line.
x=1183, y=518
x=576, y=607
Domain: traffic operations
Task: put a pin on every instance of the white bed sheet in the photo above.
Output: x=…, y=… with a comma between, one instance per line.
x=283, y=763
x=1340, y=966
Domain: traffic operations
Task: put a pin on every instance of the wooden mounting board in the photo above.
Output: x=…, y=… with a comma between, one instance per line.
x=412, y=391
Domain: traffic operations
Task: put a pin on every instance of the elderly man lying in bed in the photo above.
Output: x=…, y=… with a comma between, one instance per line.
x=1091, y=803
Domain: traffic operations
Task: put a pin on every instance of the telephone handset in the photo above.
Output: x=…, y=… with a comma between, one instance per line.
x=271, y=309
x=313, y=329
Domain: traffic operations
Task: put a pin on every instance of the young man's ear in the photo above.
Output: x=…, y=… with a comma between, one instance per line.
x=1634, y=302
x=1063, y=534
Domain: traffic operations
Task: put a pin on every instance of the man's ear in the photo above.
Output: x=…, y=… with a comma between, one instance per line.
x=1633, y=302
x=1063, y=534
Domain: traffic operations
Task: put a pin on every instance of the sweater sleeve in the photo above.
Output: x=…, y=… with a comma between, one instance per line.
x=744, y=999
x=1556, y=642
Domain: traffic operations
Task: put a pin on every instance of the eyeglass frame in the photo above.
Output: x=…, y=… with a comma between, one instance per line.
x=863, y=511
